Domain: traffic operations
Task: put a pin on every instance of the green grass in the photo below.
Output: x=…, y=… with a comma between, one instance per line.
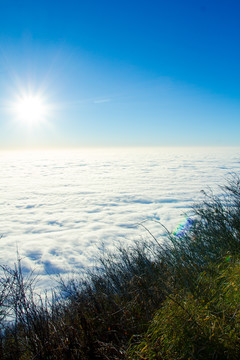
x=176, y=299
x=206, y=326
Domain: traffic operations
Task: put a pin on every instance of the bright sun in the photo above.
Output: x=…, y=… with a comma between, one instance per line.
x=30, y=109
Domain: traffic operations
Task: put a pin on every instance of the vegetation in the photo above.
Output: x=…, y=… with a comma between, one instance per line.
x=206, y=326
x=177, y=299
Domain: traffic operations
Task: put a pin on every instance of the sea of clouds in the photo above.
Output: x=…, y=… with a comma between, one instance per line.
x=58, y=209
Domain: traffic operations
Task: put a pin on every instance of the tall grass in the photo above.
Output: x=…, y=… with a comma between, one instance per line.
x=132, y=290
x=202, y=326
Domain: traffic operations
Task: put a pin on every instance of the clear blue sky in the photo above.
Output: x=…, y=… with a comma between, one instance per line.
x=122, y=72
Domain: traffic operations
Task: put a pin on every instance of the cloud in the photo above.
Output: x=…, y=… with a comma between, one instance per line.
x=59, y=214
x=101, y=101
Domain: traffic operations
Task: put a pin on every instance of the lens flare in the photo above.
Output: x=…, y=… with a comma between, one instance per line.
x=183, y=227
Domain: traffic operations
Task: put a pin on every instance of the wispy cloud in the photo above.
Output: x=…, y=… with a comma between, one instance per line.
x=101, y=101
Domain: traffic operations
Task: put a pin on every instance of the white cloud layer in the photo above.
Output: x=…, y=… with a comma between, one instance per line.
x=59, y=207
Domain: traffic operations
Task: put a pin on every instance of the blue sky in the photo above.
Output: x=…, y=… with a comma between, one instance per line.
x=134, y=73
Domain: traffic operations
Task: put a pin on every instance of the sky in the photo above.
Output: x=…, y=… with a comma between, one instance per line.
x=120, y=73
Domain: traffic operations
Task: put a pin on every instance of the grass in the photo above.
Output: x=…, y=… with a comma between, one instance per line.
x=173, y=300
x=206, y=326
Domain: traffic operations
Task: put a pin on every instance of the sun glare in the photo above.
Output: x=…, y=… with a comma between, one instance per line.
x=30, y=109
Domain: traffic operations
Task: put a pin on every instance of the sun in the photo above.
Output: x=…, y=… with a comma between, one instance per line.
x=30, y=109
